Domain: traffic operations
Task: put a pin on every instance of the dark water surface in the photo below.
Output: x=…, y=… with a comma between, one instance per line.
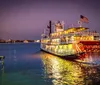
x=25, y=64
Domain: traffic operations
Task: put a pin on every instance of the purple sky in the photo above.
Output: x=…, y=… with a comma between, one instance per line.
x=26, y=19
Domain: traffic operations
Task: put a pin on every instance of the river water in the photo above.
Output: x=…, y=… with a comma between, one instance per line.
x=25, y=64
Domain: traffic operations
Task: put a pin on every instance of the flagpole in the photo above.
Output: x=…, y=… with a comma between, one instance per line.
x=80, y=23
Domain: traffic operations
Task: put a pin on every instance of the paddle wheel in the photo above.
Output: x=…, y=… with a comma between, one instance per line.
x=91, y=46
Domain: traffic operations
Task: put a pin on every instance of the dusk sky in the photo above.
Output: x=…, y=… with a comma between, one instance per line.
x=26, y=19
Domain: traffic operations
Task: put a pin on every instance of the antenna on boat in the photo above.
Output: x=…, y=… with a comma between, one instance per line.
x=63, y=24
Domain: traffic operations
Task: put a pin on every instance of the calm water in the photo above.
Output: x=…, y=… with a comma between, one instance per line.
x=25, y=64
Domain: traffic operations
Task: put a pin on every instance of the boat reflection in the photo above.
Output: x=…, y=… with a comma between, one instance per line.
x=67, y=72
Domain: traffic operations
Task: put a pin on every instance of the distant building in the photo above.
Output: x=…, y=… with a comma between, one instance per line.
x=25, y=41
x=36, y=40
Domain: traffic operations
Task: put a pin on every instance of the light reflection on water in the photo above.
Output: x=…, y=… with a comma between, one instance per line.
x=24, y=64
x=83, y=71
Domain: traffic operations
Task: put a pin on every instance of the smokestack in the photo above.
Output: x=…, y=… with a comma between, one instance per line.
x=49, y=27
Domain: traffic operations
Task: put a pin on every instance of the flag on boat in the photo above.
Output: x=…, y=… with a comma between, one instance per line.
x=83, y=19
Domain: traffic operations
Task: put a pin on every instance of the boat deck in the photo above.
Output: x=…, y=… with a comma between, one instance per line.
x=71, y=56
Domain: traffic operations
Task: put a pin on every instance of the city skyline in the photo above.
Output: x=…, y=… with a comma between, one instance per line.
x=27, y=19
